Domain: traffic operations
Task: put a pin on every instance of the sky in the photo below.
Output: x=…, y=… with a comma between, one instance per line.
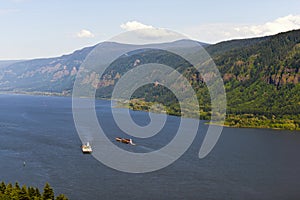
x=48, y=28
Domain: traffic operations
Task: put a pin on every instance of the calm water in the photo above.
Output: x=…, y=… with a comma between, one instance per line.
x=245, y=164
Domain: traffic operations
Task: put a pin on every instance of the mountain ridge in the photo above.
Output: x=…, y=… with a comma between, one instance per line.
x=261, y=77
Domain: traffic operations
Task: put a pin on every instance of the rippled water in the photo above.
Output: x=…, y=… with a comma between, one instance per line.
x=245, y=164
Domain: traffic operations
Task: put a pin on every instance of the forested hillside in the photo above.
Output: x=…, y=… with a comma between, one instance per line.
x=261, y=77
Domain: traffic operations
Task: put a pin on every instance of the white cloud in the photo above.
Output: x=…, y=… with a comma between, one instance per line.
x=279, y=25
x=139, y=33
x=85, y=34
x=134, y=25
x=219, y=32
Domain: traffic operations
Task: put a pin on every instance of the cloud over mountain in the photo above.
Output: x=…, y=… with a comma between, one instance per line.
x=85, y=34
x=219, y=32
x=135, y=25
x=139, y=33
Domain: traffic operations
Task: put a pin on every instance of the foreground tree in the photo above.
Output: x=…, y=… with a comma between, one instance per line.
x=48, y=193
x=10, y=192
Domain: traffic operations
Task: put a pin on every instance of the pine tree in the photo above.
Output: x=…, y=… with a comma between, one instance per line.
x=61, y=197
x=17, y=187
x=14, y=195
x=24, y=194
x=8, y=189
x=37, y=192
x=2, y=187
x=48, y=193
x=10, y=192
x=31, y=192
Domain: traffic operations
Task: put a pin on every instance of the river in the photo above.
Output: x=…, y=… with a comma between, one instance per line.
x=245, y=163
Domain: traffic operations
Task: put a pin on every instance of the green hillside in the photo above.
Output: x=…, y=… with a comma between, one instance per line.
x=262, y=82
x=261, y=77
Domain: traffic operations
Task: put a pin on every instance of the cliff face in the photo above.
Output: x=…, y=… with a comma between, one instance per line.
x=273, y=59
x=43, y=75
x=261, y=75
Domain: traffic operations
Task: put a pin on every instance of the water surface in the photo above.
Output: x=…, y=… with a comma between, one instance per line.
x=245, y=164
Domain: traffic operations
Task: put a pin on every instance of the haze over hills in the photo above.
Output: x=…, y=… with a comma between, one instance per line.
x=261, y=77
x=43, y=75
x=6, y=63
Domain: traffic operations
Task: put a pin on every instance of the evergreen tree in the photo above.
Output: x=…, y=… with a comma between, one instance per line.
x=17, y=187
x=61, y=197
x=2, y=187
x=31, y=192
x=37, y=192
x=10, y=192
x=24, y=194
x=8, y=189
x=48, y=193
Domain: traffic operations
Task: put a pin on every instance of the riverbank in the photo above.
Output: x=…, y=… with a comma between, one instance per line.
x=60, y=94
x=256, y=121
x=232, y=120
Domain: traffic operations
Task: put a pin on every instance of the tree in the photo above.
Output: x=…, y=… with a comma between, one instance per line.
x=2, y=187
x=10, y=192
x=48, y=193
x=37, y=192
x=61, y=197
x=31, y=192
x=23, y=195
x=8, y=189
x=17, y=187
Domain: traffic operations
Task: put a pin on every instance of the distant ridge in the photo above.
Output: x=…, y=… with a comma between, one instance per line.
x=5, y=63
x=261, y=77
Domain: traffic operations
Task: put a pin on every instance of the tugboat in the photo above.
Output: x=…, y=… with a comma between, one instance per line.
x=124, y=140
x=86, y=148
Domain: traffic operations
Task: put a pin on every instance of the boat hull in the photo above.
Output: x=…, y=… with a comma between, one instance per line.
x=86, y=149
x=124, y=140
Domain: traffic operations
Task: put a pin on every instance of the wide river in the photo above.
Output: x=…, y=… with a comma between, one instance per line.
x=245, y=163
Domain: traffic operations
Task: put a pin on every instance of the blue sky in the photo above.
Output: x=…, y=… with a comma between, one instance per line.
x=44, y=28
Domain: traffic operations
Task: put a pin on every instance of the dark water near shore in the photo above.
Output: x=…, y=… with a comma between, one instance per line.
x=245, y=164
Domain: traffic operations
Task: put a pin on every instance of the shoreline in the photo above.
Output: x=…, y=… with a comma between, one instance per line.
x=120, y=104
x=243, y=120
x=251, y=127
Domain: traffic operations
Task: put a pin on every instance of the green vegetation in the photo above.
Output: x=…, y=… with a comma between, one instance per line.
x=262, y=83
x=15, y=192
x=261, y=78
x=288, y=122
x=258, y=121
